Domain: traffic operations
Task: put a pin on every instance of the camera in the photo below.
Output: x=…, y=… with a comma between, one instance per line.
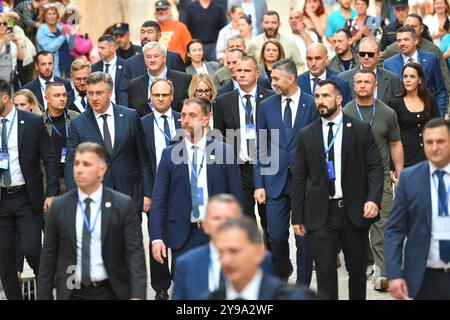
x=10, y=29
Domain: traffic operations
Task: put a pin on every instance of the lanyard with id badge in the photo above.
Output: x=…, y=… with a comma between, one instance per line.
x=4, y=155
x=442, y=226
x=374, y=108
x=55, y=129
x=200, y=197
x=250, y=128
x=330, y=165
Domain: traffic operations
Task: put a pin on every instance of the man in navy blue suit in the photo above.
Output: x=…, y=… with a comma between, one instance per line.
x=407, y=42
x=24, y=143
x=420, y=213
x=160, y=129
x=189, y=173
x=119, y=130
x=135, y=66
x=316, y=60
x=198, y=270
x=44, y=66
x=110, y=63
x=279, y=119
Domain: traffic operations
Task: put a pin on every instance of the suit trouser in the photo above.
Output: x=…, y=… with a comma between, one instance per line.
x=377, y=229
x=17, y=216
x=248, y=190
x=323, y=243
x=104, y=291
x=278, y=223
x=435, y=285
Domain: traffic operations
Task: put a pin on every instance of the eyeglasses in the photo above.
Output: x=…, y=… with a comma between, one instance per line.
x=362, y=54
x=4, y=24
x=201, y=92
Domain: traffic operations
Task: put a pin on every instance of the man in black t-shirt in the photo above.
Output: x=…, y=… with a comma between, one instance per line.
x=121, y=32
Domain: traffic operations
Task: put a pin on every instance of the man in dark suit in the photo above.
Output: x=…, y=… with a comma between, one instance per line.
x=198, y=270
x=420, y=213
x=135, y=66
x=278, y=121
x=237, y=111
x=338, y=186
x=316, y=60
x=110, y=62
x=388, y=83
x=241, y=249
x=407, y=42
x=160, y=129
x=119, y=130
x=24, y=144
x=189, y=173
x=80, y=70
x=155, y=62
x=44, y=66
x=95, y=230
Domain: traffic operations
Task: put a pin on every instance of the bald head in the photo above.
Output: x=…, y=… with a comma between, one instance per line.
x=316, y=59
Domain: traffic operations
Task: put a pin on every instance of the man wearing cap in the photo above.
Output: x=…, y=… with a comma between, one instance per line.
x=121, y=31
x=400, y=11
x=174, y=34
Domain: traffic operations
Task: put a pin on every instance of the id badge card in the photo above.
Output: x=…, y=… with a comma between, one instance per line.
x=200, y=196
x=330, y=170
x=250, y=131
x=63, y=155
x=441, y=230
x=4, y=160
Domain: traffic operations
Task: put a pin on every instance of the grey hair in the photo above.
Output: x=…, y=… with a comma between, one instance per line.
x=98, y=76
x=370, y=40
x=226, y=199
x=287, y=66
x=154, y=44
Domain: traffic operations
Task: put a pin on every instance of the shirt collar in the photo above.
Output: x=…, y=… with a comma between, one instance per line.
x=158, y=115
x=250, y=290
x=323, y=76
x=201, y=144
x=108, y=112
x=295, y=97
x=336, y=120
x=95, y=197
x=433, y=168
x=213, y=252
x=42, y=81
x=10, y=115
x=415, y=56
x=112, y=63
x=162, y=75
x=252, y=92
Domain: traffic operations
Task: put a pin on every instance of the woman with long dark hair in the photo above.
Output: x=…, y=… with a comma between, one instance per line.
x=195, y=60
x=414, y=107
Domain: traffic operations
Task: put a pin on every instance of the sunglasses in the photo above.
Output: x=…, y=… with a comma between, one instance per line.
x=362, y=54
x=4, y=24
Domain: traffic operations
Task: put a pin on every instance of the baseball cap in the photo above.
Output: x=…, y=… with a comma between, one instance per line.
x=399, y=3
x=162, y=4
x=120, y=28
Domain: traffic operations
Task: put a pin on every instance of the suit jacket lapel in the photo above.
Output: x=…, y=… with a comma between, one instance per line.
x=71, y=217
x=278, y=120
x=106, y=212
x=426, y=194
x=94, y=126
x=20, y=128
x=235, y=109
x=346, y=136
x=177, y=119
x=301, y=109
x=210, y=167
x=382, y=84
x=119, y=69
x=151, y=133
x=39, y=94
x=118, y=128
x=318, y=143
x=184, y=167
x=305, y=83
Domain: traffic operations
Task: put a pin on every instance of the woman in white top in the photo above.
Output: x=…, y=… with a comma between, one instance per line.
x=195, y=60
x=439, y=22
x=10, y=49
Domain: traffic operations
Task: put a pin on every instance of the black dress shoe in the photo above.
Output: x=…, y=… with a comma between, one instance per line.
x=162, y=295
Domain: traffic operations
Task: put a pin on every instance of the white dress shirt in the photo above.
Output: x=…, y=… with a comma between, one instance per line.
x=109, y=120
x=415, y=57
x=112, y=72
x=294, y=105
x=98, y=271
x=433, y=260
x=323, y=76
x=43, y=85
x=158, y=129
x=202, y=181
x=250, y=292
x=243, y=152
x=337, y=151
x=17, y=178
x=214, y=267
x=162, y=75
x=77, y=100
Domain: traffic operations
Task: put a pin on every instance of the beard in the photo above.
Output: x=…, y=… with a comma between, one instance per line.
x=328, y=111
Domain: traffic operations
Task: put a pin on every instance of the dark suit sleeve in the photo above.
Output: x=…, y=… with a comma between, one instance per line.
x=49, y=254
x=374, y=164
x=144, y=158
x=396, y=230
x=72, y=142
x=49, y=159
x=134, y=252
x=178, y=280
x=261, y=150
x=122, y=95
x=219, y=123
x=441, y=91
x=233, y=178
x=176, y=63
x=160, y=197
x=299, y=181
x=434, y=109
x=346, y=93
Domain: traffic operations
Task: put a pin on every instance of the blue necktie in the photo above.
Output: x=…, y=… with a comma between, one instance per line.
x=86, y=247
x=166, y=130
x=194, y=185
x=6, y=173
x=315, y=82
x=444, y=245
x=107, y=68
x=288, y=120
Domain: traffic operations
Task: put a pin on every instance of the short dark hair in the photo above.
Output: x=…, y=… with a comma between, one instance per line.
x=152, y=24
x=346, y=31
x=224, y=198
x=96, y=148
x=246, y=225
x=108, y=38
x=205, y=104
x=286, y=65
x=408, y=29
x=272, y=13
x=157, y=80
x=43, y=53
x=337, y=89
x=415, y=16
x=250, y=58
x=53, y=84
x=436, y=123
x=234, y=7
x=365, y=71
x=5, y=88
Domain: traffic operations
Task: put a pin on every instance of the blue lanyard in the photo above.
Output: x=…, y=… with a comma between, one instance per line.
x=150, y=105
x=243, y=105
x=373, y=112
x=343, y=67
x=197, y=174
x=441, y=205
x=165, y=135
x=55, y=128
x=10, y=127
x=86, y=222
x=327, y=149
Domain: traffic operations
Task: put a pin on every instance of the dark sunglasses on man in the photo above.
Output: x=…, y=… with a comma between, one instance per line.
x=362, y=54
